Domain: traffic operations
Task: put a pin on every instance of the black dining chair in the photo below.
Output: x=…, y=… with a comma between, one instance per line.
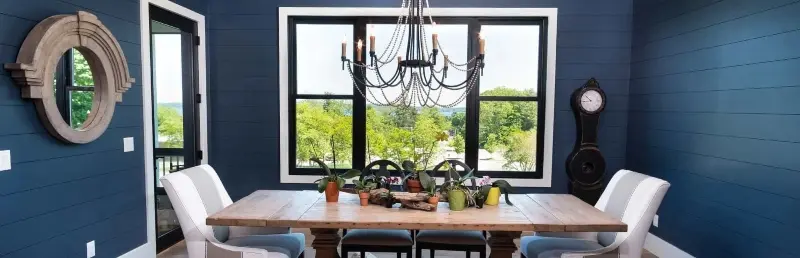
x=397, y=241
x=451, y=240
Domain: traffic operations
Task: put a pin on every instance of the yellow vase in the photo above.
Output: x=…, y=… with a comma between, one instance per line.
x=494, y=196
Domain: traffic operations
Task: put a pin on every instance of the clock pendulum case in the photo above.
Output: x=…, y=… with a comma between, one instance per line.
x=585, y=164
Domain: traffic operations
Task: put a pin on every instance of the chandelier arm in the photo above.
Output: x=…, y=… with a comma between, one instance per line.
x=398, y=75
x=458, y=86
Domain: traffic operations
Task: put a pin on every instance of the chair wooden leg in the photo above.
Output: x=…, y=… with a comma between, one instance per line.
x=302, y=255
x=469, y=254
x=399, y=255
x=408, y=253
x=482, y=254
x=363, y=254
x=419, y=252
x=433, y=252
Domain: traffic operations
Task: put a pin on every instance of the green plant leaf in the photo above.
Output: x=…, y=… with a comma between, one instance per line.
x=340, y=183
x=409, y=166
x=351, y=174
x=323, y=182
x=322, y=165
x=503, y=184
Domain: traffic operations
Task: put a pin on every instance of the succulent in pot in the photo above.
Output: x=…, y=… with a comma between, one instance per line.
x=363, y=186
x=429, y=184
x=331, y=183
x=458, y=194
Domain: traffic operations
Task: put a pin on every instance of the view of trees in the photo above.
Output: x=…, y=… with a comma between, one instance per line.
x=80, y=101
x=170, y=127
x=507, y=130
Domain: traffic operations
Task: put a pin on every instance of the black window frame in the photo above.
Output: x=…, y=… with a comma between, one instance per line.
x=65, y=85
x=473, y=99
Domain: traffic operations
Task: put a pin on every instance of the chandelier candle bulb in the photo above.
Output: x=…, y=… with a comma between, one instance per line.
x=435, y=36
x=372, y=43
x=482, y=43
x=359, y=46
x=399, y=59
x=344, y=47
x=446, y=60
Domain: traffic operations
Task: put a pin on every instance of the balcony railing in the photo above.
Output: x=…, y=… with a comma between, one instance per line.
x=168, y=160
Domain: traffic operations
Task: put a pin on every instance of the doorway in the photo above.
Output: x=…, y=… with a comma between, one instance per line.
x=176, y=100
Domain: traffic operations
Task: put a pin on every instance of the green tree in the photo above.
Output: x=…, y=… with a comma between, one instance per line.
x=170, y=127
x=499, y=119
x=457, y=142
x=324, y=130
x=521, y=153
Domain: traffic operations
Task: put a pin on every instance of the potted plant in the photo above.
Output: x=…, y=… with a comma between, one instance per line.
x=388, y=196
x=411, y=180
x=457, y=191
x=362, y=187
x=430, y=187
x=332, y=182
x=491, y=190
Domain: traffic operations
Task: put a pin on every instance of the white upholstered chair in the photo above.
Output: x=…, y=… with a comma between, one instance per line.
x=195, y=194
x=632, y=197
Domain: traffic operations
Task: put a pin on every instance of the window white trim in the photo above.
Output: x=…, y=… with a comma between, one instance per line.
x=283, y=46
x=149, y=249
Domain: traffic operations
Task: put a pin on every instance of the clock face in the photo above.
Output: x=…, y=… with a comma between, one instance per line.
x=591, y=101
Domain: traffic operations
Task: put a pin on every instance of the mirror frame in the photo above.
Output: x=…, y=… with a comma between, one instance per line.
x=39, y=56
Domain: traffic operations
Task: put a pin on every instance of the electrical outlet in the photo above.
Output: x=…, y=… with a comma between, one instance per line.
x=127, y=144
x=5, y=160
x=90, y=249
x=655, y=221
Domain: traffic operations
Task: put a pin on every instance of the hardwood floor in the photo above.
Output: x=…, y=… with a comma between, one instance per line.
x=179, y=250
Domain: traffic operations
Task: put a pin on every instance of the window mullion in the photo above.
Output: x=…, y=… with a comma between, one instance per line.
x=359, y=102
x=472, y=105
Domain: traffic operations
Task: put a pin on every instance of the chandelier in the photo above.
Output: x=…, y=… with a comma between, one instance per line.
x=418, y=80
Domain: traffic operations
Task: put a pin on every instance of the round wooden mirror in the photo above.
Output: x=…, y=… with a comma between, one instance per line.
x=42, y=59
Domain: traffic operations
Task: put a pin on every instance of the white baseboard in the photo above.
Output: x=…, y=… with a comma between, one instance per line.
x=147, y=250
x=662, y=248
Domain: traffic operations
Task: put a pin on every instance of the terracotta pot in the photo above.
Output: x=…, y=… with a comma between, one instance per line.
x=414, y=186
x=364, y=198
x=332, y=192
x=434, y=200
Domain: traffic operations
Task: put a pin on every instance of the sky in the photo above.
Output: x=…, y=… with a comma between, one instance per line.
x=511, y=57
x=167, y=68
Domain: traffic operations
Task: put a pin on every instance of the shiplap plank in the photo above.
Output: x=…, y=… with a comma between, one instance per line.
x=780, y=20
x=756, y=126
x=42, y=146
x=711, y=15
x=781, y=100
x=766, y=49
x=33, y=175
x=28, y=122
x=49, y=225
x=653, y=13
x=762, y=75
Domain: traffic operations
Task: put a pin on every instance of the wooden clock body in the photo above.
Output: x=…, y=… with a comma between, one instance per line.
x=585, y=164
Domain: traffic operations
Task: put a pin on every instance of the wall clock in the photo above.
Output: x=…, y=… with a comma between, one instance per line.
x=585, y=164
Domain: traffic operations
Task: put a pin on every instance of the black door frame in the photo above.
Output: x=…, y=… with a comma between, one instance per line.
x=191, y=151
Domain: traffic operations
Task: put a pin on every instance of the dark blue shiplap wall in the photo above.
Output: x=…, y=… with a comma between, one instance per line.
x=594, y=39
x=714, y=110
x=58, y=196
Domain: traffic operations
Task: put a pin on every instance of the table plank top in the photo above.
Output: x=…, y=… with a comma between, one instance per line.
x=308, y=209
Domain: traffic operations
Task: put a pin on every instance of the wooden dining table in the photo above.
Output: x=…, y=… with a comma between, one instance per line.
x=308, y=209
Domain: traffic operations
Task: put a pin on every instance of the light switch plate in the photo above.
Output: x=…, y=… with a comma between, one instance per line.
x=5, y=160
x=655, y=221
x=128, y=142
x=90, y=249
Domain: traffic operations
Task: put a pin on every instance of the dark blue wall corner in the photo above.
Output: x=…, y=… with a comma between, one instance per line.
x=57, y=197
x=593, y=41
x=714, y=111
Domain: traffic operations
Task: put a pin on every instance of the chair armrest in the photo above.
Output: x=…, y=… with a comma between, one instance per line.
x=252, y=231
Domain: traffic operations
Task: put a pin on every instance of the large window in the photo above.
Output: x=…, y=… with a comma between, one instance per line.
x=495, y=129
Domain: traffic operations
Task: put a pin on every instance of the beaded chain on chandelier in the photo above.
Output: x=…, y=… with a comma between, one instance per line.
x=426, y=84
